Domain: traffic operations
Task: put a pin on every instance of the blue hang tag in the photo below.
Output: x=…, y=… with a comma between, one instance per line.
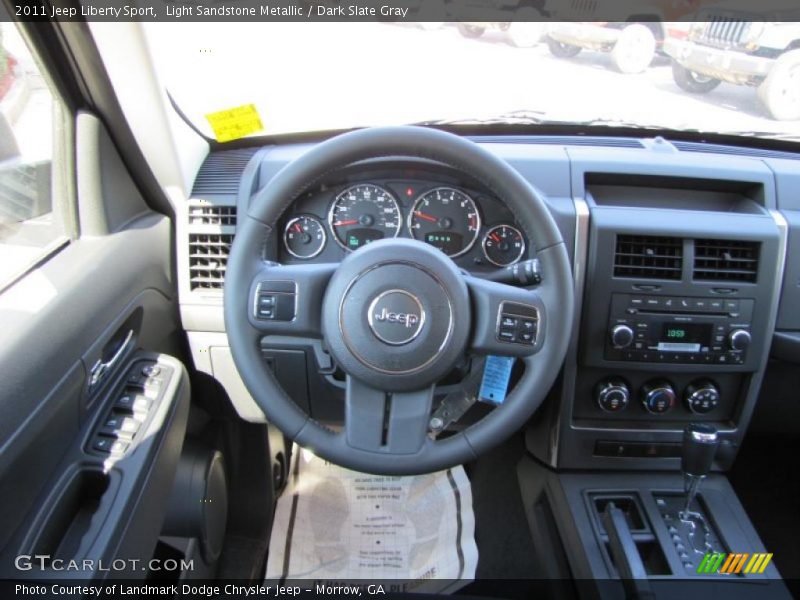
x=496, y=375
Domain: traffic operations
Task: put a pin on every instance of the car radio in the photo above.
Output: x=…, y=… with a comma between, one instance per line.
x=670, y=329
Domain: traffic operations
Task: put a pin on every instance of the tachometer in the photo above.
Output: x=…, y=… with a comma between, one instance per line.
x=304, y=236
x=503, y=245
x=446, y=218
x=362, y=214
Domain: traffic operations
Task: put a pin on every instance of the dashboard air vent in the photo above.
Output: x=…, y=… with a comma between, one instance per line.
x=208, y=258
x=557, y=140
x=648, y=257
x=734, y=150
x=222, y=171
x=209, y=214
x=725, y=260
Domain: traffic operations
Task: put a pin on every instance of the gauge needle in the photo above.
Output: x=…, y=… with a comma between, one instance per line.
x=345, y=223
x=422, y=215
x=298, y=228
x=495, y=237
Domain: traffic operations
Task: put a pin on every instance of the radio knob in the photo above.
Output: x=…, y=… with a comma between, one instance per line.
x=621, y=336
x=612, y=395
x=739, y=339
x=658, y=397
x=701, y=397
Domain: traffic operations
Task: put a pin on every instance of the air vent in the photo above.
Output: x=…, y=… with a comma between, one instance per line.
x=558, y=140
x=648, y=257
x=208, y=258
x=209, y=214
x=222, y=171
x=725, y=260
x=734, y=150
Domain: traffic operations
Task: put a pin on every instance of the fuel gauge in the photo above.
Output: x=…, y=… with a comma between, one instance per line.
x=304, y=237
x=503, y=245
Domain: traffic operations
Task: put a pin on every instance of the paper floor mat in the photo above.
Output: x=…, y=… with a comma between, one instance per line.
x=336, y=525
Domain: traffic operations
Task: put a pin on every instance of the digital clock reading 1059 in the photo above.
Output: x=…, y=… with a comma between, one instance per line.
x=676, y=334
x=686, y=333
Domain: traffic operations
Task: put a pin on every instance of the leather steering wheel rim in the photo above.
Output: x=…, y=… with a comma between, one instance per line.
x=555, y=294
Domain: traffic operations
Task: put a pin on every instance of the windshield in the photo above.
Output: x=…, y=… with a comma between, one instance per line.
x=325, y=76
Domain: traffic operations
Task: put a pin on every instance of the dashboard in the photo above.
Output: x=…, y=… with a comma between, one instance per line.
x=342, y=214
x=682, y=275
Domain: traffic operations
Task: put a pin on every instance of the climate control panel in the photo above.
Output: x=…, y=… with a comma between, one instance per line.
x=657, y=396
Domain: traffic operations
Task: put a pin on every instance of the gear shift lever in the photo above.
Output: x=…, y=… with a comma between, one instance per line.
x=700, y=442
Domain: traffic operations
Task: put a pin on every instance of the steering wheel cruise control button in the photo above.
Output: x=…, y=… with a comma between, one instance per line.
x=517, y=323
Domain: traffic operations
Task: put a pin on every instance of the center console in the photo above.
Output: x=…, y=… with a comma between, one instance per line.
x=677, y=286
x=678, y=283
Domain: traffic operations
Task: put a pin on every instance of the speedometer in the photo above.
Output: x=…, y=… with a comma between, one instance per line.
x=446, y=218
x=362, y=214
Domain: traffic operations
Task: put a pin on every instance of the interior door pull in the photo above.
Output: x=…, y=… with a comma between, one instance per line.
x=100, y=369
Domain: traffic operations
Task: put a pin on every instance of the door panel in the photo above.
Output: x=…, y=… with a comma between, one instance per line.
x=63, y=317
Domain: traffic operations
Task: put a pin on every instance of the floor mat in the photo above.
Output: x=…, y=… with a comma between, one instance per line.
x=336, y=525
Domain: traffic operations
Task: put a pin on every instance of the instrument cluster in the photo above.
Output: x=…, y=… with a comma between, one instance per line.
x=465, y=224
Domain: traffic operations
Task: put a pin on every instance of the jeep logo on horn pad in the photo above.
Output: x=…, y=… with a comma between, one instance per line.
x=396, y=317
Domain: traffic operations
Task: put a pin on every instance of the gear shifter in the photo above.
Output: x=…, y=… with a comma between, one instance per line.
x=700, y=442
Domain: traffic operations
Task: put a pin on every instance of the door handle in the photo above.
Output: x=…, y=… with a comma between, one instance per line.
x=101, y=368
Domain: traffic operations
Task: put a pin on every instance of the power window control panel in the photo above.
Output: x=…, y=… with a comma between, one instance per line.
x=131, y=406
x=517, y=323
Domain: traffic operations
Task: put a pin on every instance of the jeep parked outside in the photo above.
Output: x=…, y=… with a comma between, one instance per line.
x=724, y=46
x=632, y=44
x=525, y=31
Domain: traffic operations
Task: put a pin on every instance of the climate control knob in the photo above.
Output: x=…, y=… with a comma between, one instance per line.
x=658, y=397
x=621, y=336
x=701, y=396
x=612, y=395
x=739, y=339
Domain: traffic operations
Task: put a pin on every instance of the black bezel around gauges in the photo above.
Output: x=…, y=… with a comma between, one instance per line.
x=456, y=216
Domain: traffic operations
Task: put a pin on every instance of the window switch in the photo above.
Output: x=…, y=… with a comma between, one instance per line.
x=151, y=370
x=113, y=422
x=125, y=402
x=121, y=427
x=141, y=405
x=103, y=443
x=118, y=447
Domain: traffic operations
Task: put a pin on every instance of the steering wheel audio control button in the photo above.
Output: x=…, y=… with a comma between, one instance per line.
x=276, y=300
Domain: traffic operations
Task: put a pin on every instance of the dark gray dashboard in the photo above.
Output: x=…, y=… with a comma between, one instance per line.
x=742, y=203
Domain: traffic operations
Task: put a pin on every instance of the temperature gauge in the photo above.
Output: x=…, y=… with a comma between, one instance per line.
x=304, y=237
x=503, y=245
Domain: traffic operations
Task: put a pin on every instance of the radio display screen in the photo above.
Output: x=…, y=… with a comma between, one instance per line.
x=687, y=337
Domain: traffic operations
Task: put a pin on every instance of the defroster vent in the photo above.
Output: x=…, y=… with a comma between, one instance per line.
x=726, y=260
x=648, y=257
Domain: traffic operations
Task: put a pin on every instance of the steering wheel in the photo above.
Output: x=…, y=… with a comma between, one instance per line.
x=396, y=315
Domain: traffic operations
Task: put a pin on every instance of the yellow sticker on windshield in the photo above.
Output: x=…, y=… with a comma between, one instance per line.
x=235, y=123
